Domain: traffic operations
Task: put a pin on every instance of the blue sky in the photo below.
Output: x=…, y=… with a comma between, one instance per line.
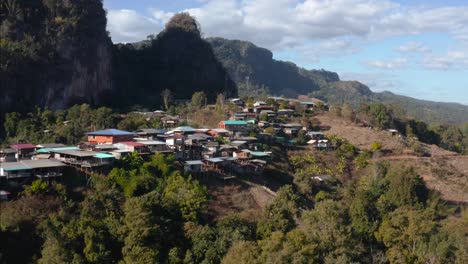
x=415, y=48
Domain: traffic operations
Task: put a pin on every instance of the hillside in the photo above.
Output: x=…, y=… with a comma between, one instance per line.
x=444, y=171
x=254, y=69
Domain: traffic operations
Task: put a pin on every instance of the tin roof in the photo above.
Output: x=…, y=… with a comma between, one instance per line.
x=110, y=132
x=235, y=122
x=132, y=144
x=194, y=162
x=23, y=146
x=104, y=156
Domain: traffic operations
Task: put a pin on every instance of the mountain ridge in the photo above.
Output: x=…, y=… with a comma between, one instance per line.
x=246, y=64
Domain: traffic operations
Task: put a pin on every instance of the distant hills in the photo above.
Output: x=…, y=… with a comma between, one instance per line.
x=254, y=70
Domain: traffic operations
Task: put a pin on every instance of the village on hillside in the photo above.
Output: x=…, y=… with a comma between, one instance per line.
x=241, y=145
x=237, y=146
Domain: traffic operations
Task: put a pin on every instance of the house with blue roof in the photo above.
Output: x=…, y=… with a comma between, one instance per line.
x=109, y=136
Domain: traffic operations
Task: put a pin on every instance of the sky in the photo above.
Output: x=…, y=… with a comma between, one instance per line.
x=415, y=48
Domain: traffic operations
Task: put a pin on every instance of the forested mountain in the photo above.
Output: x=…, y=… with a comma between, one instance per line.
x=177, y=59
x=53, y=53
x=58, y=53
x=254, y=70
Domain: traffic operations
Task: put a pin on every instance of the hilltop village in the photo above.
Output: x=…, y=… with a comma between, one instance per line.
x=239, y=145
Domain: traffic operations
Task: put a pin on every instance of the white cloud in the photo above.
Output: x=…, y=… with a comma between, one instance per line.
x=388, y=64
x=129, y=26
x=413, y=46
x=332, y=26
x=454, y=59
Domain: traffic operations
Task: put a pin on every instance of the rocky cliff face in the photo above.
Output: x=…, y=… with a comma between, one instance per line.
x=53, y=53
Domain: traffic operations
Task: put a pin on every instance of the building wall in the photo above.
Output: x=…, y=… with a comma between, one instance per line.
x=108, y=139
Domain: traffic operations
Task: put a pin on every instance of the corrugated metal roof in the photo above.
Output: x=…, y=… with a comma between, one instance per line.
x=235, y=122
x=104, y=156
x=23, y=146
x=48, y=150
x=42, y=163
x=194, y=162
x=110, y=132
x=215, y=160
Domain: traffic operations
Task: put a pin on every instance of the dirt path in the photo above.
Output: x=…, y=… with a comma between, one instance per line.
x=260, y=194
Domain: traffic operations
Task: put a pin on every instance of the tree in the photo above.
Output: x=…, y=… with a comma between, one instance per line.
x=166, y=95
x=405, y=233
x=376, y=146
x=186, y=194
x=198, y=100
x=142, y=228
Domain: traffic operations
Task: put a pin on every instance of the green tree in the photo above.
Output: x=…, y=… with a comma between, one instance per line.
x=142, y=229
x=198, y=100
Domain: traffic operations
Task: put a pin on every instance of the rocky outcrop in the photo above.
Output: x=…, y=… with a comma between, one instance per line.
x=54, y=53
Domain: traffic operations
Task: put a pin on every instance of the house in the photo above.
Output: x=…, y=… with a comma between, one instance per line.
x=23, y=150
x=308, y=105
x=315, y=135
x=176, y=140
x=148, y=133
x=133, y=146
x=184, y=130
x=233, y=126
x=215, y=164
x=239, y=144
x=170, y=121
x=84, y=158
x=393, y=132
x=218, y=132
x=292, y=129
x=260, y=108
x=50, y=145
x=198, y=139
x=268, y=113
x=7, y=155
x=240, y=154
x=29, y=168
x=193, y=166
x=240, y=116
x=109, y=136
x=259, y=103
x=156, y=146
x=322, y=178
x=285, y=112
x=263, y=124
x=320, y=144
x=212, y=146
x=237, y=101
x=4, y=195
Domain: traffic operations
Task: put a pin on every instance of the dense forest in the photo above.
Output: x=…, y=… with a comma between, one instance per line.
x=149, y=211
x=146, y=211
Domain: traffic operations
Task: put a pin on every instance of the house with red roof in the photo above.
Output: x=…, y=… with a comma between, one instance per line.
x=22, y=150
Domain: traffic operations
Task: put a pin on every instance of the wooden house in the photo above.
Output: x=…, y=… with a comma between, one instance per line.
x=194, y=166
x=133, y=146
x=234, y=126
x=7, y=155
x=42, y=169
